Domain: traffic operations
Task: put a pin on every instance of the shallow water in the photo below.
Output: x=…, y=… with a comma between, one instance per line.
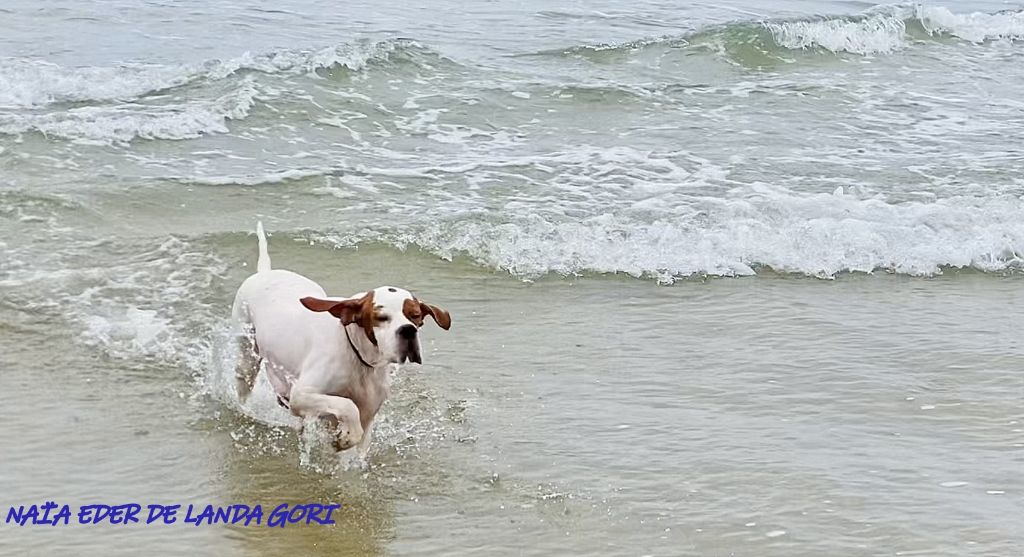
x=725, y=279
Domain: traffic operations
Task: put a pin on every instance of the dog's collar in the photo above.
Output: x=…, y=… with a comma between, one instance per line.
x=354, y=349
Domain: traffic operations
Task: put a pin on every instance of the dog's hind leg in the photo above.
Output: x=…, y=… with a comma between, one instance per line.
x=248, y=365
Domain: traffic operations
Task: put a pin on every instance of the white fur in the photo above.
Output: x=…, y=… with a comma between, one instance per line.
x=306, y=356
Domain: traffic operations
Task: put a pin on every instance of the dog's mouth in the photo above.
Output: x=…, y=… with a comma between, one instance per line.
x=411, y=355
x=407, y=358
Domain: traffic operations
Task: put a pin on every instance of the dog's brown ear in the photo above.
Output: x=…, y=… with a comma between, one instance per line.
x=441, y=317
x=348, y=311
x=358, y=310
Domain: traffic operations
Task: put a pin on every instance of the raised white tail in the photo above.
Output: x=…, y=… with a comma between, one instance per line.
x=263, y=263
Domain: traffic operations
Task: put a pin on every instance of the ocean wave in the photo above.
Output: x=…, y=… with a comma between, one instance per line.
x=125, y=122
x=354, y=57
x=974, y=27
x=818, y=235
x=34, y=83
x=880, y=31
x=876, y=34
x=891, y=29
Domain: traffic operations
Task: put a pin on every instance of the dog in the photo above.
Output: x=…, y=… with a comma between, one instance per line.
x=327, y=358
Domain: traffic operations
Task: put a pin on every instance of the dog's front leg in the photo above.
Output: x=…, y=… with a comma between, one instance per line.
x=364, y=444
x=340, y=411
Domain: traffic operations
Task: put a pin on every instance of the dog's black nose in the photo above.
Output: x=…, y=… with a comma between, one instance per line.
x=407, y=332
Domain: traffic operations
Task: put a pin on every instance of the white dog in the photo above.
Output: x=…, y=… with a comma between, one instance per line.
x=326, y=357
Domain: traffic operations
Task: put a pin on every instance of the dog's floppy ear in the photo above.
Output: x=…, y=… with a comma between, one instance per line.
x=358, y=310
x=441, y=317
x=348, y=311
x=414, y=311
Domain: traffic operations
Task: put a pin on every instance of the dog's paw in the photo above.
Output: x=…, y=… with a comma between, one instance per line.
x=343, y=443
x=345, y=435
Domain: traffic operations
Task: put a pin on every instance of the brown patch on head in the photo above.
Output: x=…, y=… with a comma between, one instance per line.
x=359, y=310
x=367, y=317
x=414, y=311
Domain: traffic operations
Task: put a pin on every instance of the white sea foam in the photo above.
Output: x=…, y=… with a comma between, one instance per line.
x=128, y=329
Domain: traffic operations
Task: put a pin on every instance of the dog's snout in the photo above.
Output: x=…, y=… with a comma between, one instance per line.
x=409, y=350
x=407, y=332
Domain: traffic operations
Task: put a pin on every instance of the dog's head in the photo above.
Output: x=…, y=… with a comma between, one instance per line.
x=389, y=317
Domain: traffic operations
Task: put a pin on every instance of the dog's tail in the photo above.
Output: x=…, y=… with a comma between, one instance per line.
x=263, y=263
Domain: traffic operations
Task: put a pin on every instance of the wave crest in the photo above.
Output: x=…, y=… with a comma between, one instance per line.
x=354, y=57
x=818, y=235
x=123, y=123
x=877, y=34
x=110, y=105
x=882, y=31
x=38, y=83
x=974, y=27
x=889, y=30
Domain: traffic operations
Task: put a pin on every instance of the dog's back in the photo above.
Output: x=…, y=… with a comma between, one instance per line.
x=267, y=306
x=272, y=295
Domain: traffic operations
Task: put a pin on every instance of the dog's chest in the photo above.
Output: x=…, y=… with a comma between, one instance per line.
x=368, y=392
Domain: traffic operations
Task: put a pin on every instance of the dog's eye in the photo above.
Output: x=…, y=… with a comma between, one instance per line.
x=383, y=318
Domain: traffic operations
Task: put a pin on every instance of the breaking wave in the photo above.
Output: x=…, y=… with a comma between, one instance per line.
x=881, y=31
x=124, y=122
x=120, y=104
x=894, y=28
x=819, y=235
x=37, y=83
